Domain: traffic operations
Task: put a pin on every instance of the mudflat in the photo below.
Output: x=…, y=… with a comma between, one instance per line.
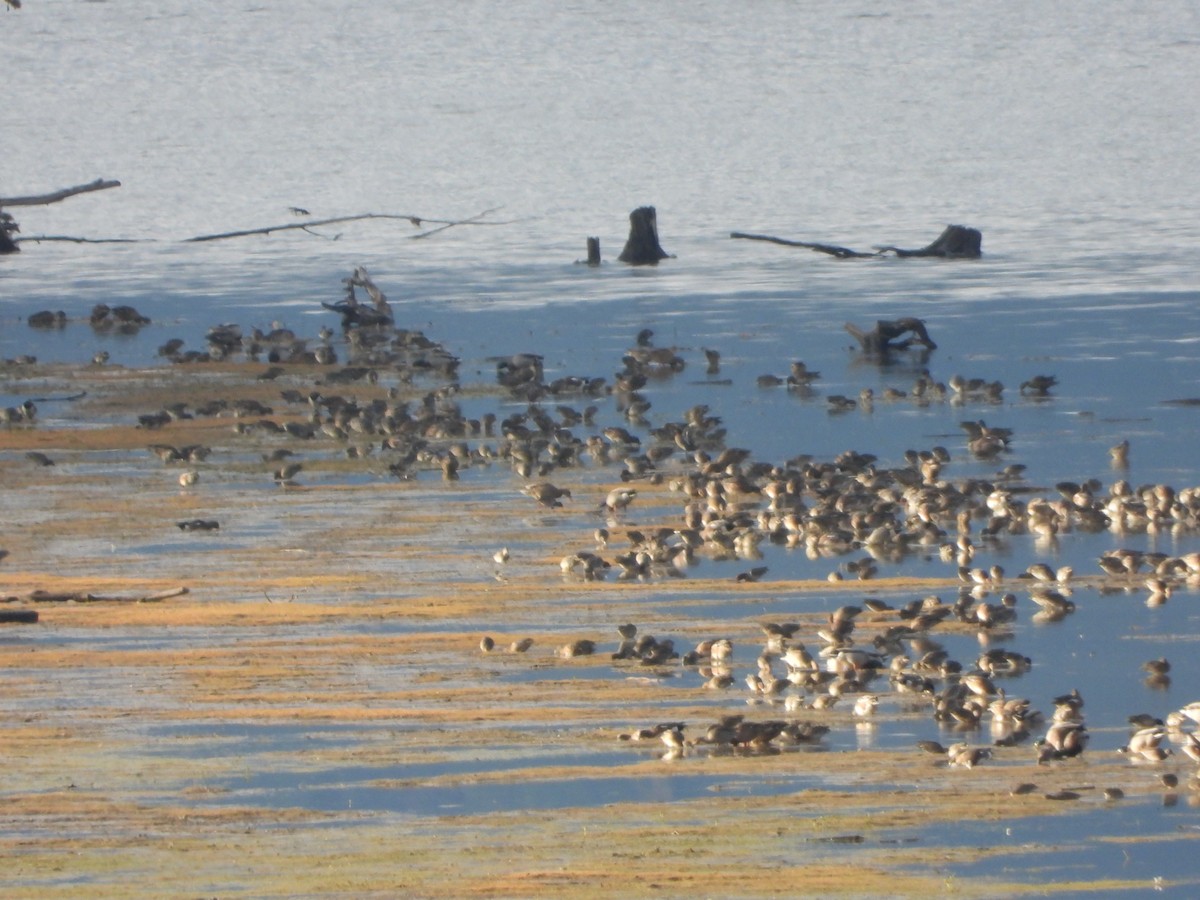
x=291, y=699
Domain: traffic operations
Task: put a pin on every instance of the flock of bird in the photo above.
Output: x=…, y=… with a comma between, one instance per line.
x=730, y=506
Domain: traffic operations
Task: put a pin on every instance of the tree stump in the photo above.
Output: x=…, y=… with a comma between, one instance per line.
x=642, y=248
x=7, y=226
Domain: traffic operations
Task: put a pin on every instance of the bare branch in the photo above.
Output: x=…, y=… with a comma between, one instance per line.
x=312, y=223
x=69, y=239
x=474, y=220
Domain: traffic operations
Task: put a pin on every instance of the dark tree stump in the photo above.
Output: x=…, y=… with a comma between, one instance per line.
x=593, y=248
x=956, y=242
x=642, y=248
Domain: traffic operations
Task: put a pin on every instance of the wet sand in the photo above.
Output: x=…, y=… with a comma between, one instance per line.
x=314, y=715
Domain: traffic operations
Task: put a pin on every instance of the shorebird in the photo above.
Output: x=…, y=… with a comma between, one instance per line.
x=673, y=738
x=576, y=648
x=1054, y=606
x=1191, y=711
x=752, y=575
x=1063, y=740
x=865, y=706
x=965, y=757
x=1040, y=572
x=287, y=474
x=1189, y=745
x=1160, y=666
x=649, y=734
x=1146, y=744
x=546, y=493
x=199, y=525
x=1038, y=385
x=619, y=499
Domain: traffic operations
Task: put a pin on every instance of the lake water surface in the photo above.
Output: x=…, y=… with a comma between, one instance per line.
x=1065, y=133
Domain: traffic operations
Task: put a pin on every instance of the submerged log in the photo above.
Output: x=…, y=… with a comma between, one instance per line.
x=642, y=248
x=880, y=340
x=956, y=242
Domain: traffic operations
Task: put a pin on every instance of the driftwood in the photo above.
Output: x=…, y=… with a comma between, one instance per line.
x=71, y=239
x=8, y=227
x=99, y=184
x=832, y=250
x=355, y=314
x=19, y=616
x=86, y=597
x=418, y=221
x=642, y=248
x=955, y=242
x=879, y=340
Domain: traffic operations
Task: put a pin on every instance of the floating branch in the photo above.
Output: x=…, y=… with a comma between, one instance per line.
x=418, y=221
x=956, y=242
x=45, y=199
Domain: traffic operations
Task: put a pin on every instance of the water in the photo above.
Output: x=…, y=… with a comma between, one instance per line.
x=1066, y=134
